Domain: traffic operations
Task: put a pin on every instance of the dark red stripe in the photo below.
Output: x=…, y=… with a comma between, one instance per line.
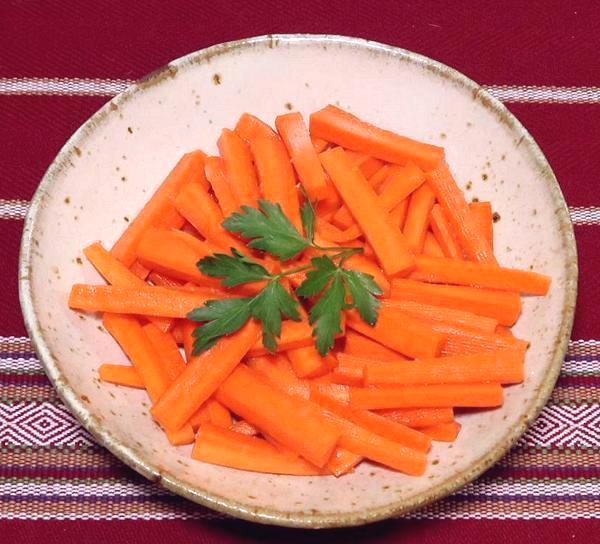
x=227, y=531
x=508, y=42
x=11, y=322
x=587, y=324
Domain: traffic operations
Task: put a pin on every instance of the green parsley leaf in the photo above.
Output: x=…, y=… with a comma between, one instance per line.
x=326, y=313
x=362, y=288
x=222, y=317
x=307, y=214
x=269, y=229
x=317, y=279
x=269, y=306
x=235, y=268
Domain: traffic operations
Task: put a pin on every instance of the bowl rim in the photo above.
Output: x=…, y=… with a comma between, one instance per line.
x=267, y=515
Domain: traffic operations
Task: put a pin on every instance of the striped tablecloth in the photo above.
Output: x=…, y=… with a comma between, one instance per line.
x=60, y=61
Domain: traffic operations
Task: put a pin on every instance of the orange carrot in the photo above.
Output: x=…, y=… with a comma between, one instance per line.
x=318, y=143
x=116, y=273
x=443, y=432
x=307, y=362
x=366, y=265
x=388, y=242
x=250, y=127
x=505, y=366
x=202, y=376
x=181, y=437
x=370, y=166
x=417, y=217
x=342, y=462
x=167, y=349
x=278, y=371
x=276, y=175
x=431, y=246
x=397, y=216
x=417, y=418
x=467, y=230
x=379, y=177
x=296, y=423
x=332, y=234
x=374, y=422
x=504, y=331
x=195, y=204
x=200, y=416
x=350, y=369
x=361, y=346
x=443, y=233
x=462, y=341
x=189, y=168
x=294, y=334
x=239, y=168
x=214, y=168
x=400, y=332
x=161, y=301
x=346, y=130
x=120, y=375
x=219, y=415
x=244, y=427
x=501, y=305
x=303, y=155
x=139, y=270
x=486, y=395
x=443, y=270
x=482, y=212
x=236, y=450
x=187, y=329
x=172, y=253
x=443, y=314
x=129, y=334
x=172, y=219
x=162, y=280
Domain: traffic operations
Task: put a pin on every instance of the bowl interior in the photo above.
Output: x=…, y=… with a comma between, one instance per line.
x=112, y=165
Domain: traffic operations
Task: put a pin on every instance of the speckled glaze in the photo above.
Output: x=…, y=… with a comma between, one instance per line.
x=112, y=164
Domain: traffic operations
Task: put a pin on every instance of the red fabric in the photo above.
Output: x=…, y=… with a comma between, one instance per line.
x=540, y=43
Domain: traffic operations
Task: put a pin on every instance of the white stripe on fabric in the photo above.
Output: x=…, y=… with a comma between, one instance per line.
x=110, y=87
x=13, y=209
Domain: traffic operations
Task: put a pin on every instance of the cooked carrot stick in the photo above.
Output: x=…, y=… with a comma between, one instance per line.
x=462, y=341
x=431, y=246
x=307, y=362
x=443, y=232
x=505, y=367
x=443, y=432
x=296, y=423
x=360, y=346
x=276, y=176
x=428, y=312
x=120, y=375
x=219, y=415
x=388, y=242
x=379, y=177
x=417, y=418
x=397, y=216
x=250, y=127
x=214, y=168
x=116, y=273
x=303, y=155
x=195, y=204
x=187, y=329
x=443, y=270
x=350, y=369
x=346, y=130
x=189, y=168
x=504, y=331
x=162, y=280
x=417, y=217
x=128, y=333
x=482, y=212
x=294, y=334
x=161, y=301
x=342, y=462
x=200, y=416
x=374, y=422
x=202, y=376
x=167, y=349
x=239, y=169
x=243, y=427
x=172, y=219
x=399, y=183
x=236, y=450
x=370, y=166
x=486, y=395
x=366, y=265
x=362, y=441
x=278, y=371
x=501, y=305
x=181, y=437
x=400, y=332
x=467, y=230
x=332, y=234
x=139, y=270
x=318, y=143
x=170, y=253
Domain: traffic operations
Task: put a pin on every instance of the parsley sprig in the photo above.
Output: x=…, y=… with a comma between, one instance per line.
x=330, y=286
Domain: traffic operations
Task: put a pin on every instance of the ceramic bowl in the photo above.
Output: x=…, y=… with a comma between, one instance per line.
x=112, y=164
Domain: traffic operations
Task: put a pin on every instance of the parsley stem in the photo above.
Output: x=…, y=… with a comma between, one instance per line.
x=337, y=248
